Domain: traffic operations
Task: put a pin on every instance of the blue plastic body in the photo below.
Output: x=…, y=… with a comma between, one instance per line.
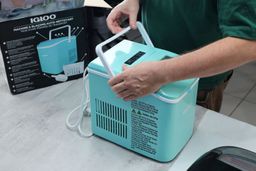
x=54, y=54
x=158, y=125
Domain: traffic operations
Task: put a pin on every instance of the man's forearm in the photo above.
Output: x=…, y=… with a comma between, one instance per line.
x=215, y=58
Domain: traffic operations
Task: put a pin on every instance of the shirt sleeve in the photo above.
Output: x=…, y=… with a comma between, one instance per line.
x=237, y=18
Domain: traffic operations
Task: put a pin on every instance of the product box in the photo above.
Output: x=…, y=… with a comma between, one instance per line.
x=47, y=49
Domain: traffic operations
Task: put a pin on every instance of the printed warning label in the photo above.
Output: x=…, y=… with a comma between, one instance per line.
x=144, y=126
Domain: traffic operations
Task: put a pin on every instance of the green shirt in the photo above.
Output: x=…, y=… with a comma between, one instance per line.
x=181, y=26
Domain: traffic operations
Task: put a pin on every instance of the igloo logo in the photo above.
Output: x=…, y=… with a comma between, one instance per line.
x=42, y=18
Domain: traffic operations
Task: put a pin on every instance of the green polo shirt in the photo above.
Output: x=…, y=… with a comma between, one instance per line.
x=182, y=26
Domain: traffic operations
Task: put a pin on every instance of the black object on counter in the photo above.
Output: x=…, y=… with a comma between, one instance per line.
x=226, y=158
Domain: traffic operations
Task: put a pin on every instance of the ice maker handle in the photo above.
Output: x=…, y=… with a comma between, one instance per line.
x=99, y=47
x=59, y=28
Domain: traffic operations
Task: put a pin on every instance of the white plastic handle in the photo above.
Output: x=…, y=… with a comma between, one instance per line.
x=59, y=28
x=99, y=47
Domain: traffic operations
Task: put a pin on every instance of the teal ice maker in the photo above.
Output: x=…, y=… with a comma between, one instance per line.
x=55, y=53
x=158, y=125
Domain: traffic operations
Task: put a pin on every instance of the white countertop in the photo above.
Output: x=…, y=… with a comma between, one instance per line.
x=33, y=136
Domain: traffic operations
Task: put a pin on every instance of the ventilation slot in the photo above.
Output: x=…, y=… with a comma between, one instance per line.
x=111, y=118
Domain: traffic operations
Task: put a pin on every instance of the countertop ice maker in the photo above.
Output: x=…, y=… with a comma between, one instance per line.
x=158, y=125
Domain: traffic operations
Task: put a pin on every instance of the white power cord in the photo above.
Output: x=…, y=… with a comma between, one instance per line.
x=84, y=108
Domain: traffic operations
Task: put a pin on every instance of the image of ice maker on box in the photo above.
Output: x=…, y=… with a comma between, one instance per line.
x=58, y=52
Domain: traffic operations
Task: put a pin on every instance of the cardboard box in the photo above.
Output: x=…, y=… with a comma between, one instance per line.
x=47, y=49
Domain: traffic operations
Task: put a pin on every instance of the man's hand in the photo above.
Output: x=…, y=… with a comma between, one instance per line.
x=127, y=8
x=137, y=81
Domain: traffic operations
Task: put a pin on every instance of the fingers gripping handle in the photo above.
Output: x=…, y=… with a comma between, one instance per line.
x=99, y=47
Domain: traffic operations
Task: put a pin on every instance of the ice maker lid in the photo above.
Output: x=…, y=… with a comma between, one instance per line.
x=177, y=90
x=132, y=53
